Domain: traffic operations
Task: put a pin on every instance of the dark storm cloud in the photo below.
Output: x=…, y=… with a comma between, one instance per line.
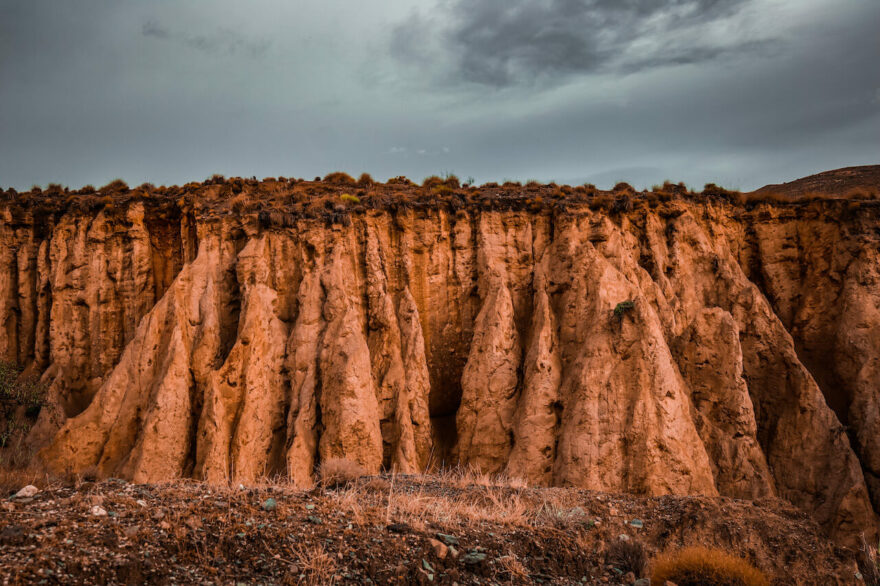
x=221, y=41
x=508, y=42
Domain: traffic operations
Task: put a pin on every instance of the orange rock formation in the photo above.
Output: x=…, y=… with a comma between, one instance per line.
x=220, y=346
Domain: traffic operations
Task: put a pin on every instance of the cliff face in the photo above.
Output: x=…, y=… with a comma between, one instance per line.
x=223, y=347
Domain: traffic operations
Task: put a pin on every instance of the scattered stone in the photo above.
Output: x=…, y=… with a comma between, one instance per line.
x=12, y=535
x=637, y=523
x=642, y=582
x=473, y=558
x=453, y=552
x=269, y=504
x=629, y=578
x=398, y=528
x=439, y=548
x=141, y=503
x=427, y=565
x=310, y=507
x=623, y=537
x=447, y=539
x=27, y=492
x=314, y=520
x=98, y=511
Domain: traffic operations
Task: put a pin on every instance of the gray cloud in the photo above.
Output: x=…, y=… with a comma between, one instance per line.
x=743, y=93
x=510, y=42
x=222, y=41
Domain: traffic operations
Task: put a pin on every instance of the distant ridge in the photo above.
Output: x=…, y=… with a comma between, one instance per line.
x=829, y=183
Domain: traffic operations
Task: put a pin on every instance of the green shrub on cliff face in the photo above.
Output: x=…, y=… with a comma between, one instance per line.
x=20, y=401
x=623, y=307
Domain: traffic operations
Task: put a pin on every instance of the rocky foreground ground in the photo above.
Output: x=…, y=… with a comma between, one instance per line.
x=405, y=529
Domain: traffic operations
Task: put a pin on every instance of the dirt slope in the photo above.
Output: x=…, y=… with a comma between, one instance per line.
x=836, y=183
x=382, y=530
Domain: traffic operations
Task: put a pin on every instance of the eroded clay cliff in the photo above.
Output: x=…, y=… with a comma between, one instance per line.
x=671, y=347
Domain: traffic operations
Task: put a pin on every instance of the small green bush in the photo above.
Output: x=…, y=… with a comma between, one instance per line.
x=350, y=198
x=622, y=308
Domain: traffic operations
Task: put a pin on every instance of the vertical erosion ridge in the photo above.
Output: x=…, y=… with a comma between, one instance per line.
x=689, y=349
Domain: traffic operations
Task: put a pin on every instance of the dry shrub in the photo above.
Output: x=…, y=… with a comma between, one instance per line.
x=21, y=399
x=13, y=478
x=340, y=178
x=399, y=180
x=622, y=203
x=629, y=556
x=702, y=566
x=432, y=181
x=587, y=189
x=869, y=563
x=365, y=180
x=601, y=202
x=87, y=189
x=316, y=564
x=731, y=195
x=115, y=186
x=452, y=181
x=339, y=472
x=624, y=187
x=510, y=569
x=54, y=189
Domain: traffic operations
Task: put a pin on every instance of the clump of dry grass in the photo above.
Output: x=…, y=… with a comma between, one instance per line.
x=628, y=556
x=340, y=178
x=704, y=566
x=115, y=186
x=316, y=565
x=432, y=181
x=365, y=180
x=336, y=472
x=510, y=569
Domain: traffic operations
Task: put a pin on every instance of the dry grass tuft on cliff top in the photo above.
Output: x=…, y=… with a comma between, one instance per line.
x=278, y=202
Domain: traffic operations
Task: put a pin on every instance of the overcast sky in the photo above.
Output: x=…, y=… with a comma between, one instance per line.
x=740, y=92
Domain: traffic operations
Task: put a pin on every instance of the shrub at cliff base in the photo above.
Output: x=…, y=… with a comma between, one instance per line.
x=702, y=566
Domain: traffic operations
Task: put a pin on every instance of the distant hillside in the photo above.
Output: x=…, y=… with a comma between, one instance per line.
x=830, y=183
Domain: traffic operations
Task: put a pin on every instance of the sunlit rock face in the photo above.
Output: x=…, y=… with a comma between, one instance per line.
x=674, y=348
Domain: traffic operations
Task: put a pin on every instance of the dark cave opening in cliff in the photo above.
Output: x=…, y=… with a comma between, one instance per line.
x=443, y=403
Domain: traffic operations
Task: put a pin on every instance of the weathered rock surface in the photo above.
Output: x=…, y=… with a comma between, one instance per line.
x=219, y=348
